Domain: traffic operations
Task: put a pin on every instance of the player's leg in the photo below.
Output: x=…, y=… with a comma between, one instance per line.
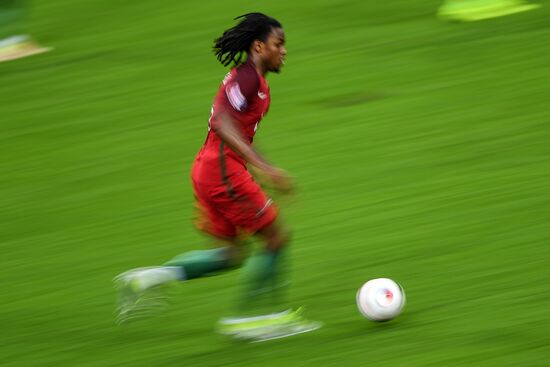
x=265, y=272
x=263, y=315
x=266, y=315
x=223, y=255
x=227, y=252
x=243, y=204
x=140, y=290
x=472, y=10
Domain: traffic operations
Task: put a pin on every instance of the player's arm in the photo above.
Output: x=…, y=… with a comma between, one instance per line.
x=227, y=131
x=259, y=176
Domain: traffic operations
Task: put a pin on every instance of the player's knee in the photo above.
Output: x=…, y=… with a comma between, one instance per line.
x=285, y=237
x=239, y=252
x=278, y=240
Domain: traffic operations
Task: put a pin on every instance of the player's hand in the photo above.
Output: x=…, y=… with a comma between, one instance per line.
x=282, y=181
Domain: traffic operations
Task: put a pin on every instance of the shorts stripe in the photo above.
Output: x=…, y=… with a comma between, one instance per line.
x=261, y=211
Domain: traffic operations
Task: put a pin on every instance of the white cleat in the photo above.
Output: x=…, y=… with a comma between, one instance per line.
x=135, y=299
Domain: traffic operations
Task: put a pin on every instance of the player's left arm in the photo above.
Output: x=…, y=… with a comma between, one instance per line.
x=225, y=128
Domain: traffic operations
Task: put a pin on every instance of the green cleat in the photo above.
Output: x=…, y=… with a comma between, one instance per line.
x=267, y=327
x=469, y=11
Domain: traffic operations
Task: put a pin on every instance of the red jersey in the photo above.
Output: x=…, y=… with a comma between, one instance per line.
x=243, y=95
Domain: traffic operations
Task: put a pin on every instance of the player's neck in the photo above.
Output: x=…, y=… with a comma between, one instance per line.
x=258, y=65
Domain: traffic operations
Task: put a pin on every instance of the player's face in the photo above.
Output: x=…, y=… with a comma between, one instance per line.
x=274, y=50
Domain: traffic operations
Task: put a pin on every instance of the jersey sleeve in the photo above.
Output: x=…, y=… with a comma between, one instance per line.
x=241, y=90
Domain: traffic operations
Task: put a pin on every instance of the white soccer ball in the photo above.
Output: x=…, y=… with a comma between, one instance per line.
x=380, y=299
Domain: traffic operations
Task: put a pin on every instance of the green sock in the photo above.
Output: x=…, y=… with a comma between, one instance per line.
x=196, y=264
x=265, y=281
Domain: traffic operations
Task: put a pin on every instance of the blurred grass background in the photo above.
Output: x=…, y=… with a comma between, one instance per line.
x=421, y=150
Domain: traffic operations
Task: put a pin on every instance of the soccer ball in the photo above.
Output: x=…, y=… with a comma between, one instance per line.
x=380, y=299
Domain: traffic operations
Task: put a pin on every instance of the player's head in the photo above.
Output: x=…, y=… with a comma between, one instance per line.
x=256, y=34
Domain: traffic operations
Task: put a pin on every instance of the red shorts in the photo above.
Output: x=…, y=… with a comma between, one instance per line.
x=229, y=209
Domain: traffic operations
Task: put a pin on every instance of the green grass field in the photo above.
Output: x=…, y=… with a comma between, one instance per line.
x=421, y=151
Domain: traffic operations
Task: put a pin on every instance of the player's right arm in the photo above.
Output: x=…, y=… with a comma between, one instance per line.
x=228, y=132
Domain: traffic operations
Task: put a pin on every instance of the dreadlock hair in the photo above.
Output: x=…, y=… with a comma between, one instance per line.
x=229, y=48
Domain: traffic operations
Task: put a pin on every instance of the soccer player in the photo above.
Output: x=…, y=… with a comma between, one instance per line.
x=472, y=10
x=230, y=203
x=14, y=44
